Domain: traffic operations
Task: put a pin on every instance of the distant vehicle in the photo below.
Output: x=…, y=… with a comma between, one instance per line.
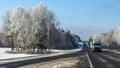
x=95, y=46
x=80, y=44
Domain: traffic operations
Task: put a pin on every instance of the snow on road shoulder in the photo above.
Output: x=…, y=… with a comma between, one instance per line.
x=115, y=51
x=5, y=56
x=65, y=51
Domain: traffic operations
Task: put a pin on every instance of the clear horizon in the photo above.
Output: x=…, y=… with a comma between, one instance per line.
x=83, y=18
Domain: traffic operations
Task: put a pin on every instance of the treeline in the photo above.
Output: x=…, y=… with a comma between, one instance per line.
x=110, y=39
x=35, y=29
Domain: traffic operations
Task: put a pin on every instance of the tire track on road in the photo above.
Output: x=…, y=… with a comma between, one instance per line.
x=100, y=61
x=111, y=61
x=112, y=56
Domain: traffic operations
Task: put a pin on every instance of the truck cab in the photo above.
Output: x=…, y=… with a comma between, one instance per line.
x=95, y=46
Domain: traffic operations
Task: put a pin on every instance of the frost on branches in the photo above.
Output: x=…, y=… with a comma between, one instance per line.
x=34, y=30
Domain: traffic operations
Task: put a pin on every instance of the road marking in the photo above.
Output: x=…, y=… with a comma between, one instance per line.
x=91, y=66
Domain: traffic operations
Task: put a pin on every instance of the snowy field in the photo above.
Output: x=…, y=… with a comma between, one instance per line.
x=6, y=56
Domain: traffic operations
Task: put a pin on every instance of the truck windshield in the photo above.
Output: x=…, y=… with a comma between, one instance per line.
x=97, y=44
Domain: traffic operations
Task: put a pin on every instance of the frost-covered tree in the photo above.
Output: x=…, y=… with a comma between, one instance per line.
x=42, y=18
x=18, y=19
x=33, y=29
x=109, y=39
x=117, y=35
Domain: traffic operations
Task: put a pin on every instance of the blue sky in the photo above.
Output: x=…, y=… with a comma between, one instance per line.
x=82, y=17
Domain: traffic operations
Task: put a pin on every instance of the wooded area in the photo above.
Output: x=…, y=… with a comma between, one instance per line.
x=35, y=29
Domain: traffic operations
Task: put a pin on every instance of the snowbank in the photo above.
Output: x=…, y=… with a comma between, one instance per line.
x=64, y=51
x=6, y=56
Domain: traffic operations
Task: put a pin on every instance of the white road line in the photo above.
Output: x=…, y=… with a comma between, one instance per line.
x=91, y=66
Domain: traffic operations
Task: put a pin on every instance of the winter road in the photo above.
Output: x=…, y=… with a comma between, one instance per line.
x=102, y=59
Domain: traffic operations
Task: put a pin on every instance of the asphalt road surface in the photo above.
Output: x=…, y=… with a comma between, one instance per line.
x=102, y=59
x=17, y=64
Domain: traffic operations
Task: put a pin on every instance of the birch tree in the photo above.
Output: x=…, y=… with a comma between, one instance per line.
x=32, y=29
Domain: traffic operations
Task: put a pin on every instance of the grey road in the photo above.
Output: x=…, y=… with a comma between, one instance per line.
x=17, y=64
x=102, y=59
x=105, y=59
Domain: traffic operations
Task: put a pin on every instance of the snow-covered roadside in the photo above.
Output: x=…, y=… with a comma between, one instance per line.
x=6, y=56
x=115, y=51
x=65, y=51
